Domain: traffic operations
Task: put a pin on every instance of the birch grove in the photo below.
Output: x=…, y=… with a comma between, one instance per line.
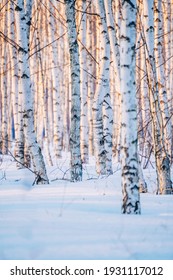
x=89, y=81
x=158, y=129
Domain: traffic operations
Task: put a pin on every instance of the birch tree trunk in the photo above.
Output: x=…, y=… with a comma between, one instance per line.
x=90, y=41
x=28, y=11
x=167, y=14
x=55, y=86
x=5, y=137
x=81, y=4
x=76, y=163
x=66, y=122
x=146, y=139
x=167, y=47
x=25, y=91
x=142, y=96
x=62, y=79
x=4, y=88
x=19, y=154
x=116, y=64
x=129, y=160
x=102, y=109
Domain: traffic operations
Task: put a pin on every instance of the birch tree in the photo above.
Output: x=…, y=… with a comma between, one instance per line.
x=166, y=8
x=116, y=64
x=4, y=88
x=81, y=5
x=55, y=87
x=15, y=98
x=25, y=91
x=102, y=109
x=129, y=160
x=76, y=162
x=91, y=68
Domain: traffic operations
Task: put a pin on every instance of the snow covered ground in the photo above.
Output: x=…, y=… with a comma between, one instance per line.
x=83, y=220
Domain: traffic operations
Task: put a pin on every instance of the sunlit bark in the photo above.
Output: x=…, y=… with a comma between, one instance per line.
x=129, y=160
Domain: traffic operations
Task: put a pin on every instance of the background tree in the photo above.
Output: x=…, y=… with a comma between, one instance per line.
x=129, y=160
x=102, y=109
x=76, y=163
x=164, y=184
x=25, y=91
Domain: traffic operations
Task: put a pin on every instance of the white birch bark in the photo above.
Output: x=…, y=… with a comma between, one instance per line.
x=102, y=109
x=28, y=11
x=145, y=107
x=143, y=112
x=76, y=163
x=20, y=129
x=50, y=109
x=63, y=89
x=166, y=8
x=4, y=105
x=116, y=63
x=44, y=96
x=107, y=129
x=90, y=41
x=47, y=57
x=67, y=94
x=4, y=88
x=113, y=41
x=117, y=17
x=25, y=91
x=81, y=5
x=55, y=86
x=14, y=71
x=66, y=120
x=129, y=160
x=97, y=116
x=167, y=14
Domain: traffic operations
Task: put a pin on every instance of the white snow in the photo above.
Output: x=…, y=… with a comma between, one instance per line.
x=83, y=220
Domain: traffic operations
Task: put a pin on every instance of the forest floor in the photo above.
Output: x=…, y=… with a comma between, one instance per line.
x=65, y=220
